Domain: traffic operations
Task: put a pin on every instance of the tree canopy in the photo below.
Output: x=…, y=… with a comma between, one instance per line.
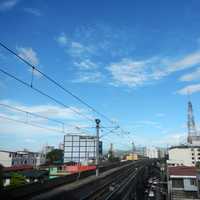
x=55, y=156
x=17, y=180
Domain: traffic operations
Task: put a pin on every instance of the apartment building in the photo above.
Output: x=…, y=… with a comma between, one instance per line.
x=11, y=158
x=184, y=155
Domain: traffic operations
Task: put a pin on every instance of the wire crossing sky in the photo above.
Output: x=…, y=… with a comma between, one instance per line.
x=131, y=63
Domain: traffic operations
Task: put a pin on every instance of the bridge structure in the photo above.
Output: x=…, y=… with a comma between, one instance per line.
x=125, y=181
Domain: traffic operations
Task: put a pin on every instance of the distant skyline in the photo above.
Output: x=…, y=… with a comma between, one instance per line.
x=134, y=61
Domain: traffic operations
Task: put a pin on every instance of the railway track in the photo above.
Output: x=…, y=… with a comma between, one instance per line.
x=113, y=184
x=110, y=185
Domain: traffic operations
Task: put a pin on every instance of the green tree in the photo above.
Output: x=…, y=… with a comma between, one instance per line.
x=17, y=180
x=55, y=156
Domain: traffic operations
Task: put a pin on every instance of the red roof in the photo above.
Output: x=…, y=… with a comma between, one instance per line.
x=182, y=171
x=17, y=168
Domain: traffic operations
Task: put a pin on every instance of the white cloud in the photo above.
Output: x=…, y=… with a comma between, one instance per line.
x=89, y=77
x=86, y=64
x=8, y=4
x=195, y=75
x=189, y=89
x=28, y=54
x=186, y=62
x=132, y=73
x=33, y=11
x=129, y=72
x=79, y=50
x=62, y=39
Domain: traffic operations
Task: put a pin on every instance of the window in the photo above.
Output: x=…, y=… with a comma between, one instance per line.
x=193, y=182
x=193, y=162
x=177, y=183
x=192, y=154
x=192, y=149
x=192, y=158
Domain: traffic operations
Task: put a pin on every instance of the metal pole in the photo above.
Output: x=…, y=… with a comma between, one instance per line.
x=97, y=146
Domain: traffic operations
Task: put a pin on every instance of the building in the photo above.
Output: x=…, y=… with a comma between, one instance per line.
x=185, y=155
x=31, y=175
x=6, y=158
x=132, y=156
x=80, y=148
x=9, y=158
x=183, y=183
x=151, y=152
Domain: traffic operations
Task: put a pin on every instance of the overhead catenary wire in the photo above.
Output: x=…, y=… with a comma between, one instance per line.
x=45, y=94
x=34, y=68
x=30, y=113
x=55, y=82
x=34, y=125
x=38, y=115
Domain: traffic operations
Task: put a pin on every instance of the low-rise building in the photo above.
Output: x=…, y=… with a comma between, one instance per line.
x=184, y=155
x=183, y=183
x=9, y=158
x=27, y=171
x=132, y=156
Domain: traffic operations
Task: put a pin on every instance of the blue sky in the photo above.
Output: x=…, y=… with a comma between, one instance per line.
x=134, y=61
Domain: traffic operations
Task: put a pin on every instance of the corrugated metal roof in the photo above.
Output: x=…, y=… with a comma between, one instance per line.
x=182, y=171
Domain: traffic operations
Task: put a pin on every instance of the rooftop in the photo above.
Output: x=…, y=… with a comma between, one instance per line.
x=182, y=171
x=17, y=168
x=184, y=146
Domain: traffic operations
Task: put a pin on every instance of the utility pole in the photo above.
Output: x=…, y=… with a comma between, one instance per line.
x=133, y=149
x=97, y=145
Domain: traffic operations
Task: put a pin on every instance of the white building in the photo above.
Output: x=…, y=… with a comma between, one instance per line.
x=183, y=155
x=80, y=148
x=151, y=152
x=8, y=158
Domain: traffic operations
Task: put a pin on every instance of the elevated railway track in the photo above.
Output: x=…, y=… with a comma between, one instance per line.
x=118, y=182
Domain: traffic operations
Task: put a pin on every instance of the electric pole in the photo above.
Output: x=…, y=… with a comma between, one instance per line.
x=133, y=149
x=97, y=145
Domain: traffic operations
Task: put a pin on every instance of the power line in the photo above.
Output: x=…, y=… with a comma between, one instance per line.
x=36, y=115
x=30, y=113
x=56, y=83
x=45, y=94
x=34, y=125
